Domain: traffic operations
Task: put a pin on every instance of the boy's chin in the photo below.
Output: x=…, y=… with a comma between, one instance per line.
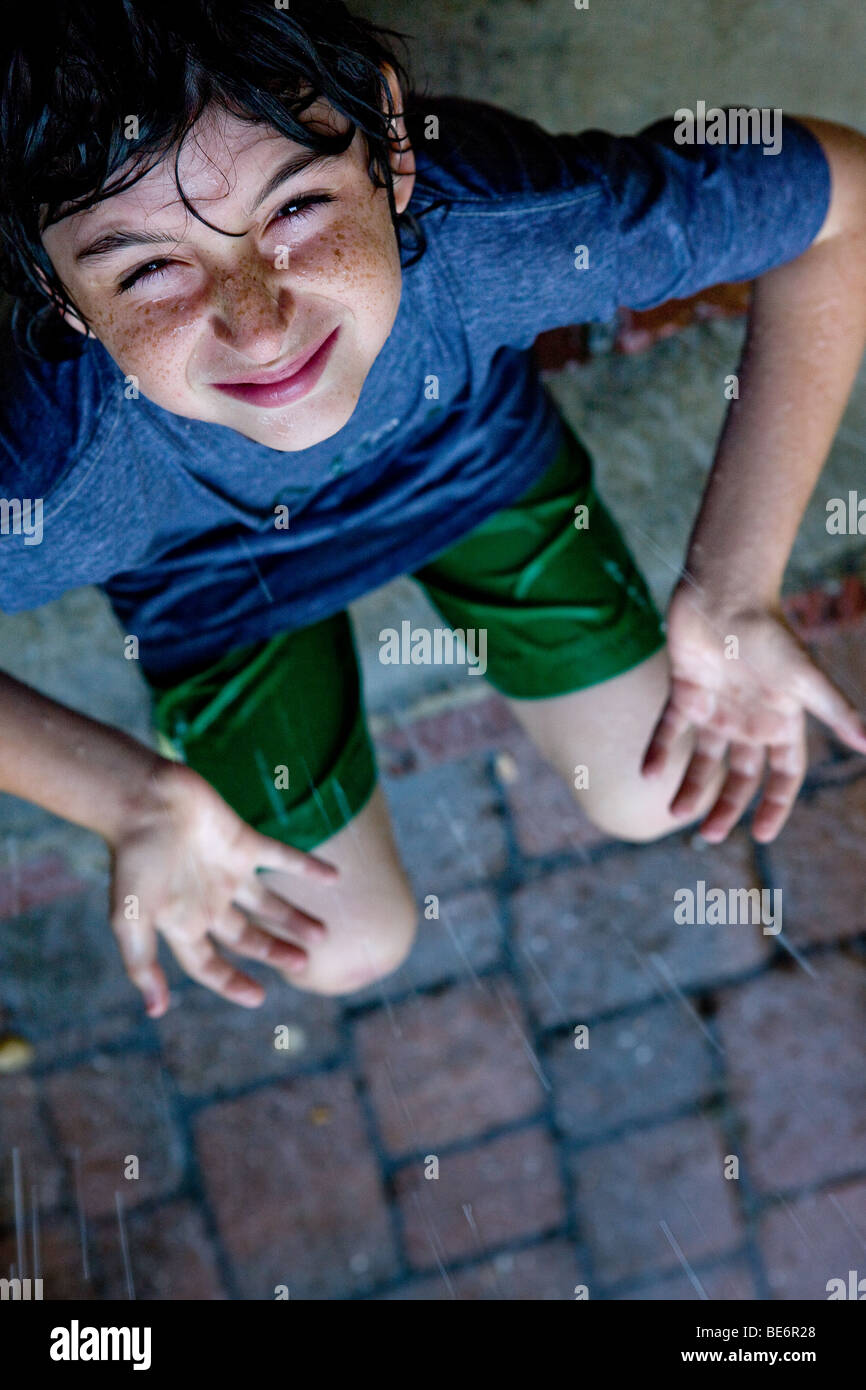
x=291, y=431
x=286, y=435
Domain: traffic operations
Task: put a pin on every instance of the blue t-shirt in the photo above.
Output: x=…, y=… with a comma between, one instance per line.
x=175, y=518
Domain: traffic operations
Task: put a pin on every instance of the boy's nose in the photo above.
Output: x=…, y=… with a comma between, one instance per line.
x=253, y=312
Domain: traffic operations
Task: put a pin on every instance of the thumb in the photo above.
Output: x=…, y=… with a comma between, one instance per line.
x=139, y=948
x=825, y=701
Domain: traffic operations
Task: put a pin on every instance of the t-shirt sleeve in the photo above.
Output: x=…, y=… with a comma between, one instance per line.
x=52, y=420
x=688, y=216
x=573, y=227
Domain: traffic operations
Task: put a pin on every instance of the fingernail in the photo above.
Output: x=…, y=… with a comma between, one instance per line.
x=152, y=1000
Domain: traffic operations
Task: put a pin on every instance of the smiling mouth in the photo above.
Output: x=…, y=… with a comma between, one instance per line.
x=282, y=385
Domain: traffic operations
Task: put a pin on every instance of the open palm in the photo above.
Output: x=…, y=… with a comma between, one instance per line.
x=744, y=684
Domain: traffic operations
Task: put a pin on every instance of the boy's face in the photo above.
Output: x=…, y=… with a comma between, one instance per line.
x=220, y=328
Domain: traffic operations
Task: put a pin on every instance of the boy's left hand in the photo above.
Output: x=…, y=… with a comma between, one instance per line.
x=747, y=702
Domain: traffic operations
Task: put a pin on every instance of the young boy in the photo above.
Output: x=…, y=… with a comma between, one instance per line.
x=271, y=349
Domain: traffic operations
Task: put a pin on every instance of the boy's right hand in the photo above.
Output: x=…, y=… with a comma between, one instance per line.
x=186, y=866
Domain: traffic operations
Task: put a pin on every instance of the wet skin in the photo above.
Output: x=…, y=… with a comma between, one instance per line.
x=208, y=309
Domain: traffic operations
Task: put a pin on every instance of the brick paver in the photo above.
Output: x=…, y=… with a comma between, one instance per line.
x=547, y=1271
x=23, y=1128
x=484, y=1075
x=632, y=1068
x=296, y=1189
x=66, y=1273
x=666, y=1188
x=210, y=1045
x=817, y=1238
x=817, y=865
x=32, y=884
x=727, y=1283
x=501, y=1191
x=112, y=1110
x=69, y=942
x=602, y=936
x=448, y=826
x=794, y=1044
x=169, y=1256
x=405, y=745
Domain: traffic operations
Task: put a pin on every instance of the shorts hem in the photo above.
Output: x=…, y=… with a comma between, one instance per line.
x=608, y=659
x=336, y=800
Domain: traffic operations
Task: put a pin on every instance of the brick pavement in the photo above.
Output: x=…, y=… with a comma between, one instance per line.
x=440, y=1135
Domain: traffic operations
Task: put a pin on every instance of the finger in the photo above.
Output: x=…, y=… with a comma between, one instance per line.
x=823, y=699
x=703, y=767
x=745, y=766
x=139, y=946
x=202, y=963
x=670, y=728
x=269, y=856
x=787, y=770
x=279, y=917
x=252, y=941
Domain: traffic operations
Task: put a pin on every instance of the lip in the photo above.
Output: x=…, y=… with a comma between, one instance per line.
x=294, y=380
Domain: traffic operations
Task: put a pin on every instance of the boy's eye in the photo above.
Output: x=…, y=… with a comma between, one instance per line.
x=301, y=207
x=153, y=270
x=289, y=212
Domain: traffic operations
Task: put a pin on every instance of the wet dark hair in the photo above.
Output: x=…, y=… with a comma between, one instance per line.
x=75, y=72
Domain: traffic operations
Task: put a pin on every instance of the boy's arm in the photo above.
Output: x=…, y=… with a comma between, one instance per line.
x=86, y=772
x=181, y=857
x=805, y=341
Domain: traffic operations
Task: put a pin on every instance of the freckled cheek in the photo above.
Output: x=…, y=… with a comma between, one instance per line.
x=357, y=264
x=154, y=345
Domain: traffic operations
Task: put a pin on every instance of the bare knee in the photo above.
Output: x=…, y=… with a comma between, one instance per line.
x=638, y=811
x=368, y=946
x=369, y=915
x=641, y=826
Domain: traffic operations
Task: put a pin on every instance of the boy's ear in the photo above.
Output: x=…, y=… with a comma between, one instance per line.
x=402, y=155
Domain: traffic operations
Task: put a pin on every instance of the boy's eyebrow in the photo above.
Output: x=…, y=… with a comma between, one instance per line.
x=119, y=239
x=298, y=164
x=116, y=241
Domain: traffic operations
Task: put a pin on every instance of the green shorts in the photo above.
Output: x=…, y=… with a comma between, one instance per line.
x=278, y=728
